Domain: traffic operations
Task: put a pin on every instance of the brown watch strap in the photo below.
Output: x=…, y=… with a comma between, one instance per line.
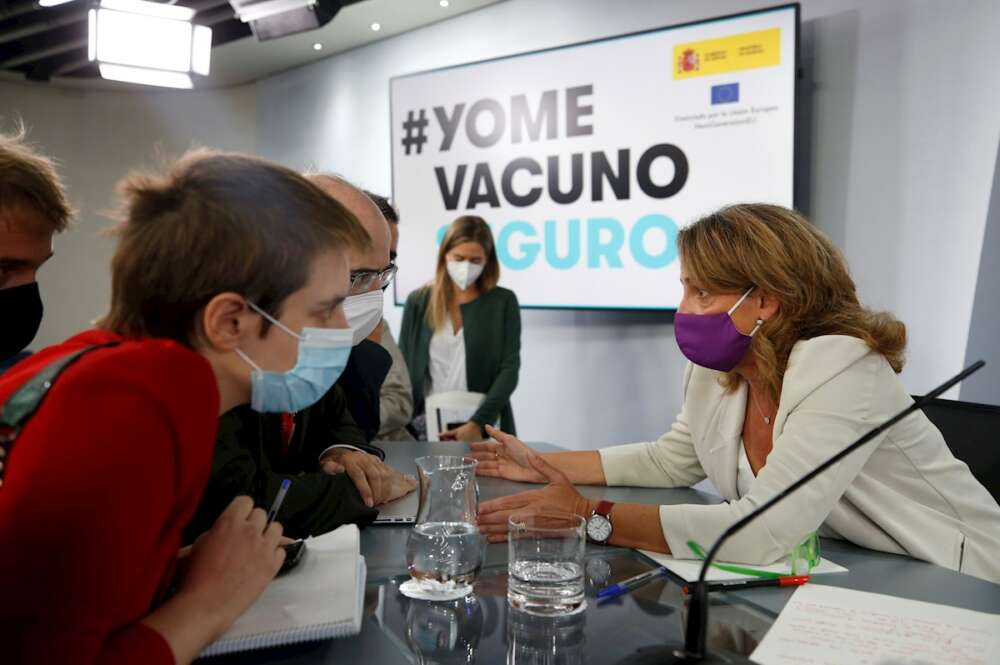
x=604, y=509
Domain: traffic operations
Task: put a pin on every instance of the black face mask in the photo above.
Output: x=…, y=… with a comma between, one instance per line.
x=22, y=314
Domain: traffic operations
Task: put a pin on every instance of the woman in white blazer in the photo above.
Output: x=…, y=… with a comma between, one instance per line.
x=787, y=369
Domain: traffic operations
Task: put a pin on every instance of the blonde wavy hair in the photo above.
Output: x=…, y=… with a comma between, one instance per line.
x=468, y=228
x=779, y=251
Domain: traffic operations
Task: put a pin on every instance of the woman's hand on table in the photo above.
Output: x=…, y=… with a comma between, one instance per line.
x=506, y=457
x=559, y=495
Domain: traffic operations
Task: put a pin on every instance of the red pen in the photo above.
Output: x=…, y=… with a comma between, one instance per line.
x=739, y=585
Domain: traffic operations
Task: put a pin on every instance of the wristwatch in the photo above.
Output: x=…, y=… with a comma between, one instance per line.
x=599, y=527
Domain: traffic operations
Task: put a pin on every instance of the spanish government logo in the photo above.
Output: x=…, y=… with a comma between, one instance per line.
x=688, y=61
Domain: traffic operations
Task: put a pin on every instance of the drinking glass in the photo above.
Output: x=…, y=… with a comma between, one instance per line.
x=545, y=563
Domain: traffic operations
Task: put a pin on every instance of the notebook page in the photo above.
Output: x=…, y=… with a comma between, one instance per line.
x=315, y=600
x=346, y=538
x=824, y=625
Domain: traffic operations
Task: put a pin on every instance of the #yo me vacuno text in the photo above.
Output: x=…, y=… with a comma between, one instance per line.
x=594, y=242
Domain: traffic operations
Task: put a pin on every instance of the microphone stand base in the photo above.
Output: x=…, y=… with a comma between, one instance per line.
x=673, y=654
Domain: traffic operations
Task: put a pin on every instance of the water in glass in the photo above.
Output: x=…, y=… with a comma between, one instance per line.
x=545, y=567
x=444, y=552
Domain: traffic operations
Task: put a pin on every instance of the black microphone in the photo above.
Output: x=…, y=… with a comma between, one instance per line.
x=693, y=650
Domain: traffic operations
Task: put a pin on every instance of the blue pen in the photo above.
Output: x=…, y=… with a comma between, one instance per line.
x=631, y=583
x=271, y=514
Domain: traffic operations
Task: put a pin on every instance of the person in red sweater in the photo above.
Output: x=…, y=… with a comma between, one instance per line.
x=227, y=286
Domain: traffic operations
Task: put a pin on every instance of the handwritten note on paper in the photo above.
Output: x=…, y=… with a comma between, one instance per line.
x=824, y=625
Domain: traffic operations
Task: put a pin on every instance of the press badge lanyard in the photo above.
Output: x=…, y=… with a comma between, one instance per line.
x=22, y=405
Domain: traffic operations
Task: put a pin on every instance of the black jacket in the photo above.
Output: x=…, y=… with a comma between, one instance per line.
x=249, y=460
x=362, y=381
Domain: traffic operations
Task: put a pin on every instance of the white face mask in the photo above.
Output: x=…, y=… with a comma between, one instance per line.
x=464, y=273
x=363, y=313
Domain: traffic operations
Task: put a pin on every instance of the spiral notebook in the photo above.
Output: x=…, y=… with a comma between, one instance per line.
x=320, y=599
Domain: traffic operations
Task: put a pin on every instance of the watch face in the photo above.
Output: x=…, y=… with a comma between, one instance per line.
x=598, y=528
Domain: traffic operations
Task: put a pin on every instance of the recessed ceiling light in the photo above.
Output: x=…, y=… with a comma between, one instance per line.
x=317, y=46
x=52, y=3
x=376, y=27
x=444, y=3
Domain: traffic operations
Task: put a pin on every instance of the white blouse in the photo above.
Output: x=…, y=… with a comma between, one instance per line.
x=447, y=361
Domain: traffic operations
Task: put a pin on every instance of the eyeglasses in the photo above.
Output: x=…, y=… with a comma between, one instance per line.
x=363, y=280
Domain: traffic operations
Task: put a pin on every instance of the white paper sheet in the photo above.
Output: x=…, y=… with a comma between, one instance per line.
x=824, y=625
x=321, y=598
x=689, y=568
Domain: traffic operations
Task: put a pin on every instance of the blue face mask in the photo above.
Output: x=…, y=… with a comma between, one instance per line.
x=323, y=354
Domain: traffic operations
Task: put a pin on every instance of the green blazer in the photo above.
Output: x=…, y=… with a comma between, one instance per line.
x=491, y=325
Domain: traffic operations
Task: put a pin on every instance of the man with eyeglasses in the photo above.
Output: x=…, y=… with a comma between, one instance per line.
x=337, y=476
x=369, y=363
x=396, y=396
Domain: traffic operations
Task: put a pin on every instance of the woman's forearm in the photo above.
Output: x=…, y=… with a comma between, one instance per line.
x=582, y=468
x=635, y=525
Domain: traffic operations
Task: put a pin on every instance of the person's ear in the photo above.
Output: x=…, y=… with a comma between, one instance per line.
x=226, y=320
x=767, y=305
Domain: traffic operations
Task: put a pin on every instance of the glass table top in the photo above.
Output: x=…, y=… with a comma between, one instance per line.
x=483, y=628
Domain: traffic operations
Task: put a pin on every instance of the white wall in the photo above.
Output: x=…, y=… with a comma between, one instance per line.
x=98, y=136
x=903, y=149
x=984, y=329
x=899, y=132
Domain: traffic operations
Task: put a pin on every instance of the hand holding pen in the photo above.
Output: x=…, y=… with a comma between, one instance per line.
x=227, y=569
x=278, y=500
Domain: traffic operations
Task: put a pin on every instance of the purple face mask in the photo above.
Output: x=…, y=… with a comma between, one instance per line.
x=712, y=340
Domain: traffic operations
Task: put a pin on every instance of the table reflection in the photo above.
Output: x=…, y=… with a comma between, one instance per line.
x=443, y=633
x=482, y=628
x=534, y=640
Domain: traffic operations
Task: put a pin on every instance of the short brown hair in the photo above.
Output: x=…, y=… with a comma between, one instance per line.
x=779, y=251
x=215, y=223
x=467, y=228
x=29, y=179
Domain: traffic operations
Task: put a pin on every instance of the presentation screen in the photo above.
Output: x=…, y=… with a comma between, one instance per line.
x=587, y=159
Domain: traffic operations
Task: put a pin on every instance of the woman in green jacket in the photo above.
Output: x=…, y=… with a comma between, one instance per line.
x=462, y=332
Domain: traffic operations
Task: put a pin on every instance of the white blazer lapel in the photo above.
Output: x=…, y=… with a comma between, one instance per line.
x=723, y=452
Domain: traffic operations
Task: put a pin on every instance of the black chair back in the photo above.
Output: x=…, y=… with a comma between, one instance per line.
x=972, y=432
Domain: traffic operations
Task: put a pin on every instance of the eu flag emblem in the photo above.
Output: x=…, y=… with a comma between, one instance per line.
x=727, y=93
